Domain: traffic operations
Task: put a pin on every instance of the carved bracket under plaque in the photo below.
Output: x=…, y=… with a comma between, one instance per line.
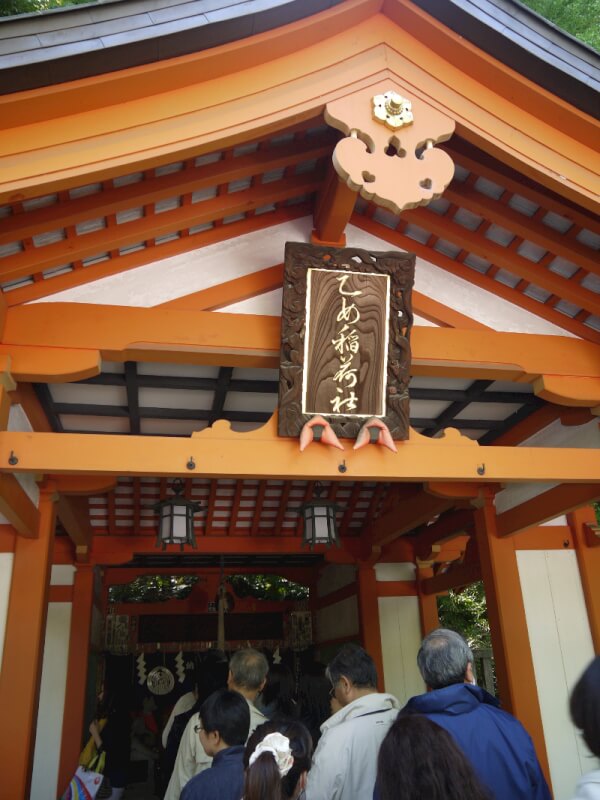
x=345, y=338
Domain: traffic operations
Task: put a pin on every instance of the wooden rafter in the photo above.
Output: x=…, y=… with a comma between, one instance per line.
x=156, y=225
x=415, y=511
x=235, y=507
x=472, y=276
x=548, y=505
x=260, y=497
x=122, y=263
x=477, y=243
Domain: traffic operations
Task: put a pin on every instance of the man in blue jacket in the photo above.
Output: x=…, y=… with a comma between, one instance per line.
x=223, y=730
x=497, y=745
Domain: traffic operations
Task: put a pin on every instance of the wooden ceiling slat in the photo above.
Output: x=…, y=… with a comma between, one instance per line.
x=524, y=226
x=260, y=496
x=283, y=503
x=501, y=257
x=130, y=233
x=137, y=501
x=210, y=508
x=352, y=501
x=112, y=522
x=153, y=189
x=472, y=276
x=235, y=507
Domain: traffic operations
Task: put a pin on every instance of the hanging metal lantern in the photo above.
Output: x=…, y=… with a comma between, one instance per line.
x=176, y=518
x=319, y=518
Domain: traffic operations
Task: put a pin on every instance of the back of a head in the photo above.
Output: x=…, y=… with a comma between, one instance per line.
x=355, y=664
x=279, y=691
x=211, y=674
x=228, y=713
x=264, y=779
x=443, y=658
x=249, y=669
x=585, y=706
x=419, y=759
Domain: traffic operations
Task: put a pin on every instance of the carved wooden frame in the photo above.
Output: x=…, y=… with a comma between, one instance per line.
x=400, y=267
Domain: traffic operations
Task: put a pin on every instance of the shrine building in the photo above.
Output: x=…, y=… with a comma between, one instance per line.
x=190, y=194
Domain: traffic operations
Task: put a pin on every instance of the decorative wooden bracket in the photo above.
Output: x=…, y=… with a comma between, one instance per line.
x=389, y=155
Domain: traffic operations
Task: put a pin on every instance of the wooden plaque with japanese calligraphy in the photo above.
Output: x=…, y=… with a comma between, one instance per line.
x=345, y=352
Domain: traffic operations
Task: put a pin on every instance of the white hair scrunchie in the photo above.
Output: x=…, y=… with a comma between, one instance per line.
x=279, y=746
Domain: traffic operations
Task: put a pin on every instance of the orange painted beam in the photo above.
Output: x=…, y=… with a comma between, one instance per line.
x=443, y=315
x=39, y=259
x=261, y=454
x=333, y=210
x=396, y=588
x=8, y=537
x=472, y=276
x=445, y=529
x=501, y=214
x=407, y=515
x=503, y=257
x=576, y=391
x=428, y=609
x=77, y=669
x=544, y=537
x=546, y=506
x=16, y=506
x=40, y=330
x=74, y=514
x=368, y=616
x=60, y=594
x=224, y=294
x=25, y=396
x=82, y=484
x=121, y=263
x=51, y=365
x=588, y=559
x=23, y=651
x=455, y=577
x=510, y=637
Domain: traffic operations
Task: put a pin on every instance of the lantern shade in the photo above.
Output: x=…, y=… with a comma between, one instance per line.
x=320, y=526
x=176, y=519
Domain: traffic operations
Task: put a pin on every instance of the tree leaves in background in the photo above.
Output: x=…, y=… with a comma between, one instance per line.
x=267, y=587
x=9, y=8
x=466, y=613
x=580, y=18
x=152, y=589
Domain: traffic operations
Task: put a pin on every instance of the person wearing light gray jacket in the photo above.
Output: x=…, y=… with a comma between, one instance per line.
x=345, y=762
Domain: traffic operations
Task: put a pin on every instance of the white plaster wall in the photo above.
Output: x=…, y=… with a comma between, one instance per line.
x=18, y=421
x=6, y=566
x=337, y=620
x=400, y=626
x=561, y=647
x=396, y=572
x=62, y=575
x=52, y=700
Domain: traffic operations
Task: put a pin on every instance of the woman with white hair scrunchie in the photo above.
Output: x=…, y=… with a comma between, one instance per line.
x=277, y=759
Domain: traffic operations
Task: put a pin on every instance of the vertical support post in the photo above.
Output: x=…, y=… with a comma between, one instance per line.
x=368, y=615
x=428, y=609
x=588, y=559
x=510, y=638
x=77, y=670
x=23, y=650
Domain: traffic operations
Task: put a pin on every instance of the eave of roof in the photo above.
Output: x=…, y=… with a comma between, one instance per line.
x=528, y=43
x=78, y=42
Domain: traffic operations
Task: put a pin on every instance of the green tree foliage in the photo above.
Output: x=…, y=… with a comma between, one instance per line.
x=597, y=510
x=580, y=18
x=466, y=613
x=267, y=587
x=9, y=8
x=152, y=589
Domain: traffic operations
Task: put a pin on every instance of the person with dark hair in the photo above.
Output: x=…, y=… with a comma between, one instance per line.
x=223, y=730
x=585, y=713
x=314, y=699
x=419, y=759
x=497, y=745
x=114, y=738
x=246, y=675
x=345, y=761
x=277, y=698
x=277, y=760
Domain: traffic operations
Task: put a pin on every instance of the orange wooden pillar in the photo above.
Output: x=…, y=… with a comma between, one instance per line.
x=368, y=615
x=77, y=669
x=23, y=652
x=428, y=609
x=510, y=637
x=588, y=558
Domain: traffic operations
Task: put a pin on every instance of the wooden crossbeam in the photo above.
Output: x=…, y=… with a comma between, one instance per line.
x=73, y=513
x=546, y=506
x=156, y=225
x=447, y=527
x=406, y=516
x=453, y=578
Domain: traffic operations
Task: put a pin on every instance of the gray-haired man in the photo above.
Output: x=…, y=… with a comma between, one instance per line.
x=247, y=675
x=497, y=745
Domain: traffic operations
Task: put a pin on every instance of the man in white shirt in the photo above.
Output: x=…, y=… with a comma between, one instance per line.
x=345, y=761
x=247, y=675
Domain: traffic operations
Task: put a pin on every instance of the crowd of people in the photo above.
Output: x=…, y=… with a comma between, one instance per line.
x=248, y=732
